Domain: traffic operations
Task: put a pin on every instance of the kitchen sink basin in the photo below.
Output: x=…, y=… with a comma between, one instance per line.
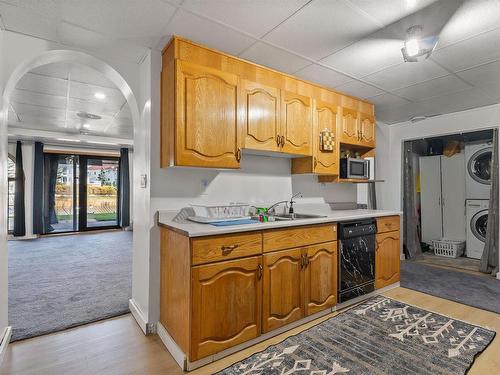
x=296, y=216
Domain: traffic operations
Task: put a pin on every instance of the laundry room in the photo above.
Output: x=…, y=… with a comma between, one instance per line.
x=447, y=185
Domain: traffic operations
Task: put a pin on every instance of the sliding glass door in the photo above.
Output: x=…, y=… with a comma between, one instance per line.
x=100, y=190
x=80, y=193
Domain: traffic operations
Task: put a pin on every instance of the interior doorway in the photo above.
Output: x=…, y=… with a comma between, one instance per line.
x=83, y=193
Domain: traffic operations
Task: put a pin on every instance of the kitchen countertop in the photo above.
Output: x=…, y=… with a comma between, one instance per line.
x=192, y=229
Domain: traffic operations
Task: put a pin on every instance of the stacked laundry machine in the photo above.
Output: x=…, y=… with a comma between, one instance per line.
x=477, y=193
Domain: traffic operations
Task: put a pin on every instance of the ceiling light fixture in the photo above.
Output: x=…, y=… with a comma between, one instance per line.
x=88, y=116
x=68, y=140
x=86, y=126
x=100, y=96
x=416, y=47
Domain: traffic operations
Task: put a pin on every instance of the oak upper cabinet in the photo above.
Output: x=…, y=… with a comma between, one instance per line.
x=349, y=128
x=261, y=116
x=367, y=130
x=320, y=277
x=283, y=293
x=296, y=123
x=226, y=305
x=206, y=117
x=387, y=259
x=325, y=117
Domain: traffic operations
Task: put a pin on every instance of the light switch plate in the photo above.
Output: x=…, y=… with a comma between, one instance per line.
x=144, y=181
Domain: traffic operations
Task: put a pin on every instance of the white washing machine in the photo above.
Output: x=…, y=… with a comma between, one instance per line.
x=477, y=222
x=478, y=174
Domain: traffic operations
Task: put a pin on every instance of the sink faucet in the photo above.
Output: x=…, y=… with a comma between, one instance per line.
x=290, y=210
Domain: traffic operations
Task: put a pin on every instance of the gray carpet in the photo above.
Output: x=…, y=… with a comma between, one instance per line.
x=482, y=292
x=61, y=282
x=379, y=336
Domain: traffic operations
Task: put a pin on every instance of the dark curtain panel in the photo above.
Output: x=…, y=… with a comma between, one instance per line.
x=19, y=212
x=50, y=181
x=411, y=237
x=38, y=189
x=489, y=260
x=124, y=209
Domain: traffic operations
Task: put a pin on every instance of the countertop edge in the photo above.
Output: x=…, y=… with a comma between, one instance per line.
x=214, y=231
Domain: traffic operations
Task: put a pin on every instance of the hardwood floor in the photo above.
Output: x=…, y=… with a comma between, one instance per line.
x=118, y=347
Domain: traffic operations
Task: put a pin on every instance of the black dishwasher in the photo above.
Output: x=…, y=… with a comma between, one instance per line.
x=357, y=258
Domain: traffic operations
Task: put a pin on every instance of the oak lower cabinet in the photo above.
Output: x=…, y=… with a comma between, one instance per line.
x=283, y=294
x=387, y=259
x=297, y=283
x=226, y=305
x=321, y=277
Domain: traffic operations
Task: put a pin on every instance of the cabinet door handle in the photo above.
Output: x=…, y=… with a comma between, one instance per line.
x=282, y=140
x=278, y=140
x=238, y=155
x=315, y=162
x=260, y=271
x=226, y=250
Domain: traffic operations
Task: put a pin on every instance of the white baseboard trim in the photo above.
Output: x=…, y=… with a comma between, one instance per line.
x=181, y=357
x=4, y=341
x=171, y=346
x=138, y=315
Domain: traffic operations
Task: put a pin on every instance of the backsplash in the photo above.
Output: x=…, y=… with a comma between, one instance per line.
x=261, y=179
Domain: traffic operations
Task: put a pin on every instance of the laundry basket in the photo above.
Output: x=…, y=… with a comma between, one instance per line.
x=448, y=248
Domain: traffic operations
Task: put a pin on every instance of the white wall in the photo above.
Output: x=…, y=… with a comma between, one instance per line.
x=3, y=202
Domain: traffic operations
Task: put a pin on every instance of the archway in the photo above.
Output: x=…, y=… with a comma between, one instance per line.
x=49, y=57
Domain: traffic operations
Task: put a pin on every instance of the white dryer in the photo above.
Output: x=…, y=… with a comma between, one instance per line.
x=478, y=170
x=477, y=222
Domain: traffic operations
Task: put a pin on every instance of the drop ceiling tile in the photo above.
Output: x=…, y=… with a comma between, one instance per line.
x=83, y=74
x=359, y=89
x=482, y=74
x=471, y=52
x=27, y=21
x=136, y=21
x=34, y=98
x=323, y=76
x=321, y=28
x=472, y=18
x=87, y=40
x=275, y=58
x=459, y=101
x=389, y=11
x=387, y=100
x=28, y=110
x=367, y=56
x=87, y=92
x=43, y=84
x=56, y=70
x=434, y=87
x=406, y=74
x=255, y=17
x=395, y=114
x=206, y=32
x=492, y=89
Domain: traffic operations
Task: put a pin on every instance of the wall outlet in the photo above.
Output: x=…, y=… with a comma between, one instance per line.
x=144, y=181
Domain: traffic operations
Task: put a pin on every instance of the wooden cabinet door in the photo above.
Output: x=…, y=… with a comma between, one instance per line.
x=261, y=116
x=283, y=294
x=321, y=277
x=206, y=117
x=325, y=118
x=296, y=123
x=226, y=308
x=387, y=259
x=367, y=125
x=350, y=132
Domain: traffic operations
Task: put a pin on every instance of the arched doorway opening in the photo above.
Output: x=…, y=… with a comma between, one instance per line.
x=54, y=57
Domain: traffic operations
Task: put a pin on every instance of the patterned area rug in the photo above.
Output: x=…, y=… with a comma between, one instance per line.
x=380, y=336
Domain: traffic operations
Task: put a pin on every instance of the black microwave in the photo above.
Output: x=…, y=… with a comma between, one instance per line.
x=352, y=168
